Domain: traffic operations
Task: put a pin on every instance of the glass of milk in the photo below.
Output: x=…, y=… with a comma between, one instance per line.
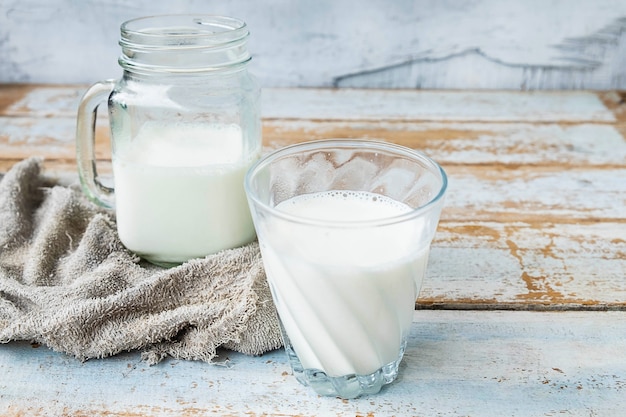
x=185, y=127
x=345, y=228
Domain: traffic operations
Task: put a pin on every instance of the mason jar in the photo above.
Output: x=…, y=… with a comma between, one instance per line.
x=185, y=127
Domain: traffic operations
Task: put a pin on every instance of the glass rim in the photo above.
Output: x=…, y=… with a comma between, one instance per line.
x=364, y=144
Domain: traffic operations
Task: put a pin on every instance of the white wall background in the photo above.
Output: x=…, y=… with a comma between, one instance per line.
x=516, y=44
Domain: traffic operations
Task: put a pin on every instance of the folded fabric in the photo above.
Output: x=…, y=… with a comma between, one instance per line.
x=67, y=281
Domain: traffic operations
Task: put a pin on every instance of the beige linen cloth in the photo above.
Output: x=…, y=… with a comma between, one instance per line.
x=66, y=281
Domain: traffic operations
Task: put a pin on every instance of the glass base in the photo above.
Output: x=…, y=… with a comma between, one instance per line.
x=163, y=264
x=347, y=386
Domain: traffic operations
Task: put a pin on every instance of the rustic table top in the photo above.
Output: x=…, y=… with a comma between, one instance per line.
x=521, y=313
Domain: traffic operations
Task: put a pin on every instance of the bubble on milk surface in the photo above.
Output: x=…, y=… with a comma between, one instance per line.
x=359, y=206
x=360, y=195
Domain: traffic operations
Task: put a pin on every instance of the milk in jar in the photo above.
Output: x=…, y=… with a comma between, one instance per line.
x=185, y=124
x=179, y=191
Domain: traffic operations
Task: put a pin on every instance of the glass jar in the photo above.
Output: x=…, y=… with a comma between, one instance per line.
x=185, y=127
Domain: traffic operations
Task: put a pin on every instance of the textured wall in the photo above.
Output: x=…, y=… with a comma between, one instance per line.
x=522, y=44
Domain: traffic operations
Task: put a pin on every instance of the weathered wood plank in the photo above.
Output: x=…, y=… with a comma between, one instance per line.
x=40, y=100
x=533, y=194
x=359, y=104
x=449, y=143
x=413, y=105
x=49, y=137
x=456, y=363
x=515, y=144
x=526, y=266
x=484, y=193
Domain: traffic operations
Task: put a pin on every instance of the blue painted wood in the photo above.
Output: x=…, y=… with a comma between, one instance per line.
x=488, y=363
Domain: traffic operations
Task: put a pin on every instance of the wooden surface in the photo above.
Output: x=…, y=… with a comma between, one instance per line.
x=457, y=364
x=535, y=219
x=426, y=44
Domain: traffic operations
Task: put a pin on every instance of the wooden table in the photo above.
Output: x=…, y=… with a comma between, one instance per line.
x=521, y=314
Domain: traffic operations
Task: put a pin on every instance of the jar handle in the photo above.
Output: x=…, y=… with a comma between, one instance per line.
x=85, y=143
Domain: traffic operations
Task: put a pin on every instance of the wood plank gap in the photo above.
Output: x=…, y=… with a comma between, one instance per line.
x=409, y=120
x=503, y=306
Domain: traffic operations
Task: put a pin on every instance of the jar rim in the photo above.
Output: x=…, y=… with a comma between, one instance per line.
x=183, y=43
x=182, y=29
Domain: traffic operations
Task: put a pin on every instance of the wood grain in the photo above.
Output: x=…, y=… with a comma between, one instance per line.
x=457, y=364
x=535, y=211
x=475, y=143
x=517, y=265
x=535, y=219
x=44, y=100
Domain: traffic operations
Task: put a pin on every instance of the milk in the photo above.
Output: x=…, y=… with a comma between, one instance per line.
x=179, y=191
x=345, y=295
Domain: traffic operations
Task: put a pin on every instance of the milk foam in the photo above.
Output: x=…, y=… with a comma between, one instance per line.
x=184, y=145
x=343, y=206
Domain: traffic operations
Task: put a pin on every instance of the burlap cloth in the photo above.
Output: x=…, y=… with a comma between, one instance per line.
x=66, y=281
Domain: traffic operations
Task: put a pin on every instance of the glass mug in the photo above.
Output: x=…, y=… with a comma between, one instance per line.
x=185, y=127
x=345, y=228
